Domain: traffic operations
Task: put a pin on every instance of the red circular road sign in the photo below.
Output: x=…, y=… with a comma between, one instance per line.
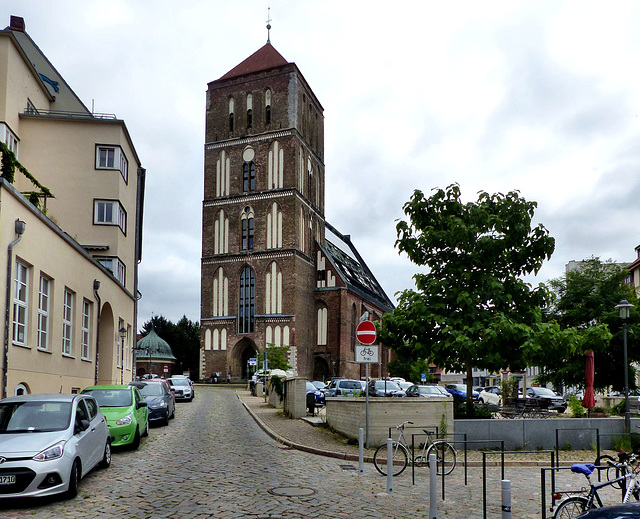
x=366, y=332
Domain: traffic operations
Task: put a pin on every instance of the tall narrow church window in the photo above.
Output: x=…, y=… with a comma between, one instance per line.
x=275, y=172
x=246, y=307
x=222, y=174
x=274, y=227
x=267, y=107
x=249, y=110
x=300, y=171
x=302, y=244
x=220, y=294
x=221, y=234
x=248, y=176
x=273, y=290
x=231, y=114
x=322, y=326
x=247, y=229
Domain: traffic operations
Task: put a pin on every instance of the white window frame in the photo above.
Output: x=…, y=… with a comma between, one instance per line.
x=118, y=159
x=117, y=268
x=9, y=138
x=85, y=349
x=119, y=345
x=67, y=322
x=44, y=312
x=110, y=212
x=20, y=304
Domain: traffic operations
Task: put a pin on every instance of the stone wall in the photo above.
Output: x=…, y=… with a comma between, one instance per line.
x=346, y=415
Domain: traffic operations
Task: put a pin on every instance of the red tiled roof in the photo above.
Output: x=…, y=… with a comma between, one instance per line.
x=264, y=58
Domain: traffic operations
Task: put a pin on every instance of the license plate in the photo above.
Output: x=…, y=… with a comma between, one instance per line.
x=7, y=480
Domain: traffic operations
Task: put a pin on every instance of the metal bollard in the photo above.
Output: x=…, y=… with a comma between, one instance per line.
x=433, y=487
x=389, y=466
x=361, y=451
x=506, y=499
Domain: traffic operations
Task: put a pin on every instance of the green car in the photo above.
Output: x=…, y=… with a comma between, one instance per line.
x=126, y=412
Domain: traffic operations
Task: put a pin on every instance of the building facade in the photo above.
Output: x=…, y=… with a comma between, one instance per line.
x=270, y=276
x=71, y=308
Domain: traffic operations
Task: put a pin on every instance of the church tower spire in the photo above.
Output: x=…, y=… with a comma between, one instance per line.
x=268, y=24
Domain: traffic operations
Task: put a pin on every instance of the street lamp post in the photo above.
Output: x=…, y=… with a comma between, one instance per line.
x=623, y=307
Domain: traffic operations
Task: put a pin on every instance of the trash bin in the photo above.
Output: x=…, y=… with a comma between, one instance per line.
x=311, y=403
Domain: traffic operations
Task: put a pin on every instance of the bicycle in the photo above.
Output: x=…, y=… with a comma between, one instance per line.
x=444, y=451
x=626, y=459
x=575, y=505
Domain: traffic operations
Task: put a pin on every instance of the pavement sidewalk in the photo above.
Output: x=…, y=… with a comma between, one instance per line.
x=303, y=435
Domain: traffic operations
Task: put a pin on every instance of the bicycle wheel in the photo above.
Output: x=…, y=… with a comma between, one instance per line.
x=445, y=457
x=400, y=459
x=612, y=471
x=571, y=507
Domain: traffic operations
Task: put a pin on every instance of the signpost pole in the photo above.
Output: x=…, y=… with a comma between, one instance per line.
x=366, y=407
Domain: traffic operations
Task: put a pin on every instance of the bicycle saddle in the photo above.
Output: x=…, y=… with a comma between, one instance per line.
x=583, y=468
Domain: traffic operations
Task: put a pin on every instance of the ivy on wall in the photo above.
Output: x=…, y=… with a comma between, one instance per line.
x=8, y=167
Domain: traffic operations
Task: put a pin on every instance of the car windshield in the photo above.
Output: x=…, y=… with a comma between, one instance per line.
x=111, y=397
x=21, y=417
x=460, y=387
x=178, y=382
x=350, y=384
x=380, y=384
x=310, y=387
x=542, y=391
x=428, y=390
x=152, y=390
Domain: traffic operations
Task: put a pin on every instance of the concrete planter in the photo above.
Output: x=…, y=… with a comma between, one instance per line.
x=348, y=415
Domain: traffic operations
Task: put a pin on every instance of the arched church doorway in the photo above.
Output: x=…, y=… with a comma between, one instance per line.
x=107, y=344
x=239, y=362
x=321, y=369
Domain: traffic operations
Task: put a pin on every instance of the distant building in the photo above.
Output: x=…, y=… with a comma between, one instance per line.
x=71, y=302
x=154, y=356
x=274, y=272
x=634, y=272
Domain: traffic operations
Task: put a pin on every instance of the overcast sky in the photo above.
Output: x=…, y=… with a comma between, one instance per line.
x=538, y=96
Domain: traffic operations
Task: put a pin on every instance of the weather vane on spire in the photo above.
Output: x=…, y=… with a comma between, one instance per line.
x=268, y=24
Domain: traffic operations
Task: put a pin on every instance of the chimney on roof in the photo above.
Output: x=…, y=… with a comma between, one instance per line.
x=17, y=23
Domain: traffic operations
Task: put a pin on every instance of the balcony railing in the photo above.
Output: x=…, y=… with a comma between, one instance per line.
x=71, y=115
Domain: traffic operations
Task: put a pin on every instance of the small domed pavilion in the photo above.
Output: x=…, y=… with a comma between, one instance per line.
x=154, y=356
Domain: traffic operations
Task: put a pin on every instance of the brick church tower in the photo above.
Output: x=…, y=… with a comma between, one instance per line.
x=264, y=254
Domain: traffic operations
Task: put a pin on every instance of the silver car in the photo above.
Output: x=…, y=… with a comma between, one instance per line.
x=49, y=442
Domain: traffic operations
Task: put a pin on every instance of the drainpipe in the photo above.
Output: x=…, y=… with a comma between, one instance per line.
x=19, y=227
x=96, y=287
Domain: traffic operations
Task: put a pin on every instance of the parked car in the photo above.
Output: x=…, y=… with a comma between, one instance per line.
x=319, y=385
x=49, y=443
x=160, y=400
x=426, y=391
x=384, y=388
x=459, y=392
x=126, y=412
x=555, y=402
x=182, y=387
x=343, y=387
x=404, y=385
x=319, y=395
x=491, y=395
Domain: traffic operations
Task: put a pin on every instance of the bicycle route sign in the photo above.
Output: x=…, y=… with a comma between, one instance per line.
x=367, y=354
x=366, y=332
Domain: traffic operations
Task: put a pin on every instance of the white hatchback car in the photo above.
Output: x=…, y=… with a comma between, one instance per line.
x=49, y=442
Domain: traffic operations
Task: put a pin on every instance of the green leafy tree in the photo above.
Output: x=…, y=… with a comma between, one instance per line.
x=278, y=357
x=472, y=308
x=584, y=299
x=183, y=338
x=409, y=368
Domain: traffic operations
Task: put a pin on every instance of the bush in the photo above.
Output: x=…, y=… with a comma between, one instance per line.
x=275, y=383
x=576, y=406
x=477, y=411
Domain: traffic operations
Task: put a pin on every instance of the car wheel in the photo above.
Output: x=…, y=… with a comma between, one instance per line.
x=145, y=433
x=74, y=478
x=136, y=441
x=562, y=409
x=166, y=418
x=106, y=459
x=173, y=412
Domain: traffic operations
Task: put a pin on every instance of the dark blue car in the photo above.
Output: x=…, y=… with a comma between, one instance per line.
x=459, y=392
x=319, y=395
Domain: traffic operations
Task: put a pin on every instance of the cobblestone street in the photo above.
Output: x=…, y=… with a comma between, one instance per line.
x=213, y=461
